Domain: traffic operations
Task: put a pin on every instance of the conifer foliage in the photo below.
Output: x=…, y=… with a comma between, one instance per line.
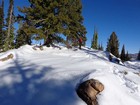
x=100, y=47
x=127, y=56
x=123, y=56
x=48, y=19
x=94, y=43
x=113, y=44
x=1, y=25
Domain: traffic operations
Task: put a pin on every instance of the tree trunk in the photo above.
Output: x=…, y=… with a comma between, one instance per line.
x=9, y=28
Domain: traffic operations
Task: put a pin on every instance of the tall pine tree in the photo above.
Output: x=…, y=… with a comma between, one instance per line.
x=9, y=40
x=51, y=18
x=94, y=43
x=123, y=56
x=113, y=44
x=1, y=25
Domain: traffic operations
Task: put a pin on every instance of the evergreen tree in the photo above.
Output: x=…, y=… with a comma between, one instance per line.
x=22, y=38
x=127, y=56
x=94, y=43
x=76, y=29
x=123, y=56
x=51, y=18
x=113, y=45
x=101, y=48
x=1, y=25
x=9, y=40
x=138, y=57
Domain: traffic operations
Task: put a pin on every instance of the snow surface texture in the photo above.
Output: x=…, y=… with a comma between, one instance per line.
x=49, y=77
x=133, y=64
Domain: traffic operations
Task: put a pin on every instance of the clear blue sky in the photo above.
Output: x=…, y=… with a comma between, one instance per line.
x=121, y=16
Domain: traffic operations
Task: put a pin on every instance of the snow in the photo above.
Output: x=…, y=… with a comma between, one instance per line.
x=133, y=64
x=50, y=77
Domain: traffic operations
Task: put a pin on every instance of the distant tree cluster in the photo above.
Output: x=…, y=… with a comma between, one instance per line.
x=51, y=20
x=94, y=42
x=124, y=56
x=112, y=46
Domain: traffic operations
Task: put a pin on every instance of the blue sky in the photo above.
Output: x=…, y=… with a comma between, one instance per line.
x=120, y=16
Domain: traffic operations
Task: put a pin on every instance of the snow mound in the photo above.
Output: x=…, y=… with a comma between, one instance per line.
x=49, y=77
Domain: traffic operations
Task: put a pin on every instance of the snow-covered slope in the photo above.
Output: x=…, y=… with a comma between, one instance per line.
x=133, y=64
x=49, y=77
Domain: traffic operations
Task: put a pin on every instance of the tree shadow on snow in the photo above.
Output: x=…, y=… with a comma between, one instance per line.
x=32, y=90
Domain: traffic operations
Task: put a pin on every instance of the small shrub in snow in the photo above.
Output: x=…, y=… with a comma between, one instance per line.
x=41, y=48
x=34, y=48
x=125, y=72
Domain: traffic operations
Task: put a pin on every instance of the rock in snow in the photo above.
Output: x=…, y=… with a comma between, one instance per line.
x=88, y=91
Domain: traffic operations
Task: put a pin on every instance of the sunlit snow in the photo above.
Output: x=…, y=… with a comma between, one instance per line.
x=50, y=77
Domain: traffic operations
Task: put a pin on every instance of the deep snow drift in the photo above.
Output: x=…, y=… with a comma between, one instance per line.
x=49, y=77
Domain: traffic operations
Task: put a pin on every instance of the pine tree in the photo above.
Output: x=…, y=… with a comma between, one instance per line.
x=101, y=48
x=113, y=45
x=94, y=43
x=123, y=56
x=51, y=18
x=127, y=56
x=1, y=26
x=138, y=57
x=9, y=40
x=22, y=38
x=77, y=30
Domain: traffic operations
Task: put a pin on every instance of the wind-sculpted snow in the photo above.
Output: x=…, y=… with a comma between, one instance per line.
x=133, y=64
x=125, y=81
x=49, y=77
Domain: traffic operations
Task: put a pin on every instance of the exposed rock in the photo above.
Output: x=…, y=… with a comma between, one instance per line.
x=88, y=91
x=10, y=56
x=38, y=47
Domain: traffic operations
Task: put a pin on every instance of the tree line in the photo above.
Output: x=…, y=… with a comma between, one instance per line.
x=52, y=21
x=112, y=46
